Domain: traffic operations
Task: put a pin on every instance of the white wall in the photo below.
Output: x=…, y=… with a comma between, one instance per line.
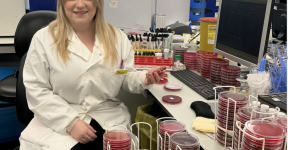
x=130, y=14
x=11, y=12
x=175, y=10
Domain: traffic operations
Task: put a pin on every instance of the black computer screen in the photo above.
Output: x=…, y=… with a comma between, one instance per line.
x=240, y=28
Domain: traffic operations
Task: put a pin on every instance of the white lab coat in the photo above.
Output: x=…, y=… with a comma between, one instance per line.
x=85, y=88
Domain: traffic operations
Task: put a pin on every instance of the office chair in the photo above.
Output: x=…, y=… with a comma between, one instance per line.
x=8, y=89
x=27, y=27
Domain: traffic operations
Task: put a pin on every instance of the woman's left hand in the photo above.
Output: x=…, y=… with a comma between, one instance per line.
x=153, y=77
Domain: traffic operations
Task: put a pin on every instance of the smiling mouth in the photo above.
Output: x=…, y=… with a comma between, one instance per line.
x=82, y=12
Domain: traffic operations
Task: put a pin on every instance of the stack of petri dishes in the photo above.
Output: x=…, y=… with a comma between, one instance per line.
x=171, y=127
x=179, y=51
x=282, y=122
x=243, y=115
x=229, y=75
x=215, y=72
x=198, y=57
x=185, y=141
x=118, y=140
x=190, y=61
x=206, y=63
x=273, y=134
x=222, y=120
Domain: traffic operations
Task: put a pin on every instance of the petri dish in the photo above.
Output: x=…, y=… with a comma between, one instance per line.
x=184, y=140
x=162, y=81
x=172, y=99
x=173, y=86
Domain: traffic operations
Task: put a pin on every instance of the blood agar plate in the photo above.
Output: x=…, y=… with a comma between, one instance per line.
x=171, y=99
x=274, y=135
x=118, y=139
x=162, y=81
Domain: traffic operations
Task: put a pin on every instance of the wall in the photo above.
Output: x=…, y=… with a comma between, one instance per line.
x=175, y=10
x=130, y=14
x=11, y=12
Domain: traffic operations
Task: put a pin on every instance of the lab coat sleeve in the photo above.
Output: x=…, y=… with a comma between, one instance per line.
x=50, y=108
x=134, y=80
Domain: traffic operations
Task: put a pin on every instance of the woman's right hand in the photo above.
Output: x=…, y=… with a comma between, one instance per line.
x=83, y=132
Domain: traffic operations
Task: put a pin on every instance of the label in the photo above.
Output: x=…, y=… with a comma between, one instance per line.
x=217, y=2
x=216, y=14
x=276, y=99
x=113, y=4
x=275, y=8
x=211, y=34
x=118, y=72
x=186, y=34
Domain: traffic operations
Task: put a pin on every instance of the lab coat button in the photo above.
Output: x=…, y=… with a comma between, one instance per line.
x=100, y=54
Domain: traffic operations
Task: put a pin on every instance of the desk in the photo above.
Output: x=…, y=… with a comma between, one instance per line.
x=182, y=112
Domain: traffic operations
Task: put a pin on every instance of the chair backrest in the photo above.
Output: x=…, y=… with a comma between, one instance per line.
x=27, y=27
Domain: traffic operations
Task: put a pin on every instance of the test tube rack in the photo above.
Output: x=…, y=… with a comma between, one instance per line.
x=238, y=123
x=153, y=61
x=160, y=139
x=141, y=52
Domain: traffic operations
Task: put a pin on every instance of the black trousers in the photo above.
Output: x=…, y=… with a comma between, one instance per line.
x=97, y=144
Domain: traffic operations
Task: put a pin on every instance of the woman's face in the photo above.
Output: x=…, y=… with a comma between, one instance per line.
x=80, y=12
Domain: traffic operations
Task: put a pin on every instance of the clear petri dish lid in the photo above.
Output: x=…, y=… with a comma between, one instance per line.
x=180, y=49
x=246, y=112
x=231, y=68
x=282, y=122
x=117, y=136
x=239, y=98
x=171, y=126
x=265, y=129
x=173, y=86
x=184, y=139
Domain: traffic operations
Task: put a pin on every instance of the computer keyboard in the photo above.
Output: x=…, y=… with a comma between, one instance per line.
x=197, y=83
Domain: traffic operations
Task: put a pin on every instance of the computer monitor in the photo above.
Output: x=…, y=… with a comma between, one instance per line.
x=243, y=29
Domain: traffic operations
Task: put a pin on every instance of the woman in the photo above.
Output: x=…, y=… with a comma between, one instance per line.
x=70, y=79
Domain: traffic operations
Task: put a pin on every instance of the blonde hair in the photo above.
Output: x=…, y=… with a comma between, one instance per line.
x=106, y=33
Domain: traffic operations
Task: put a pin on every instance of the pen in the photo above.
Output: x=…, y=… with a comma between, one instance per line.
x=121, y=66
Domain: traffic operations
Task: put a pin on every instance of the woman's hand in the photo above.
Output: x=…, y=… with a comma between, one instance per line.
x=83, y=132
x=153, y=77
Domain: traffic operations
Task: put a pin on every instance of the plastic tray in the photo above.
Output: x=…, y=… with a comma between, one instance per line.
x=153, y=61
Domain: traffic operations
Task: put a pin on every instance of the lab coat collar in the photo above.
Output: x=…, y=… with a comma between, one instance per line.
x=78, y=48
